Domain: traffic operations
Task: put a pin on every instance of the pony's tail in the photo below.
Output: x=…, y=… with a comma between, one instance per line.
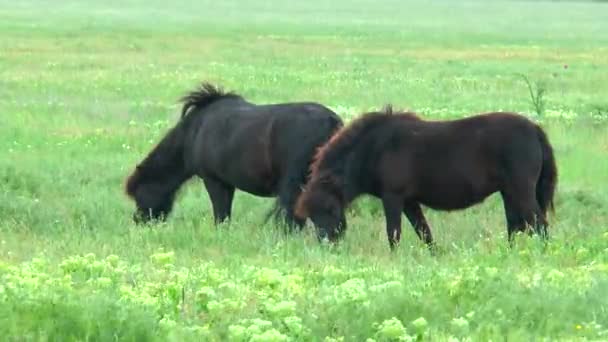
x=297, y=173
x=545, y=187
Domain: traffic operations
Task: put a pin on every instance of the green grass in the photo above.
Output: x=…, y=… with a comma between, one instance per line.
x=87, y=88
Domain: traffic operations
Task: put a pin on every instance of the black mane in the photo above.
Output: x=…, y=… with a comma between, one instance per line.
x=206, y=94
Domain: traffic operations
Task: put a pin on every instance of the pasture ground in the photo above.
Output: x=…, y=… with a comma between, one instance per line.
x=87, y=88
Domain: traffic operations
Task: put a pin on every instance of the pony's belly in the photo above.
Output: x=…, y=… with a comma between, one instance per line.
x=454, y=198
x=245, y=171
x=258, y=191
x=261, y=184
x=256, y=186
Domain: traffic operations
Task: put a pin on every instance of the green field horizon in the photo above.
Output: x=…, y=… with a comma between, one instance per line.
x=88, y=88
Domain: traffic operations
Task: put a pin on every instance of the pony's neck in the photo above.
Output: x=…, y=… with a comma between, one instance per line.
x=165, y=164
x=346, y=157
x=344, y=178
x=343, y=158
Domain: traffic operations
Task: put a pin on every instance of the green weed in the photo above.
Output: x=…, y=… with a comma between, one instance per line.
x=88, y=87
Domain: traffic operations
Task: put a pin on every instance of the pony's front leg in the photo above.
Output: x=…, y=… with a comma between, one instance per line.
x=221, y=196
x=393, y=204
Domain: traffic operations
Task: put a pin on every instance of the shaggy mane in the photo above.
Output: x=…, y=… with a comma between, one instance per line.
x=344, y=139
x=156, y=161
x=132, y=182
x=206, y=94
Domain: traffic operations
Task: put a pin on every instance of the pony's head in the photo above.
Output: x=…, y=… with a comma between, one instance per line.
x=322, y=200
x=153, y=195
x=154, y=182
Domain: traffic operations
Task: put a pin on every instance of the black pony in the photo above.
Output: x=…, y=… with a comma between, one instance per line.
x=230, y=143
x=446, y=165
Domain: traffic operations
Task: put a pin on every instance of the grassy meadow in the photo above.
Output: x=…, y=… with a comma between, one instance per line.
x=88, y=87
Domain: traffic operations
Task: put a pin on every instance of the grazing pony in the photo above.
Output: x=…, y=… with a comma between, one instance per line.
x=230, y=143
x=445, y=165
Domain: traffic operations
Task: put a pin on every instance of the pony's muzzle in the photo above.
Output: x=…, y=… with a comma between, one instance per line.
x=140, y=218
x=137, y=218
x=322, y=237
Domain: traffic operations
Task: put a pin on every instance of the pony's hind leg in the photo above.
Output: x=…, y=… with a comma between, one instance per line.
x=537, y=219
x=414, y=214
x=521, y=210
x=221, y=196
x=515, y=223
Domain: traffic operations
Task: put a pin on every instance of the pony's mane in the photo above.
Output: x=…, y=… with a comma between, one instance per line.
x=132, y=181
x=156, y=161
x=206, y=94
x=344, y=139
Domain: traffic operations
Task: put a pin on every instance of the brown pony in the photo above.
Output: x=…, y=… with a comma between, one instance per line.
x=445, y=165
x=231, y=143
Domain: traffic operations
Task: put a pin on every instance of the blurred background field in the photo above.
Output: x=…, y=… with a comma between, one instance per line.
x=87, y=88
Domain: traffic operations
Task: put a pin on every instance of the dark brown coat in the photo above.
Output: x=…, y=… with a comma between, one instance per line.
x=446, y=165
